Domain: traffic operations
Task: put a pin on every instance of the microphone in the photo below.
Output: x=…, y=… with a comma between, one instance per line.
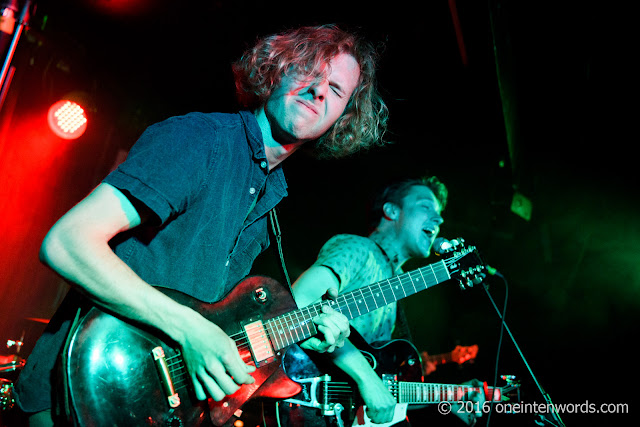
x=441, y=246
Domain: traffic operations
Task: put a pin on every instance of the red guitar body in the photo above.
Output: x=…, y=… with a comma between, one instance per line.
x=114, y=380
x=119, y=374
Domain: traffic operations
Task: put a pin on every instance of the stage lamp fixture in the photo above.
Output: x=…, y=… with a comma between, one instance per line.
x=67, y=119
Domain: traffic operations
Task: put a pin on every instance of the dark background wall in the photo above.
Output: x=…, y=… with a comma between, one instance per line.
x=511, y=98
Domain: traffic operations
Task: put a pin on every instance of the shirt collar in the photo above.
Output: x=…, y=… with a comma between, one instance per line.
x=256, y=144
x=254, y=135
x=386, y=243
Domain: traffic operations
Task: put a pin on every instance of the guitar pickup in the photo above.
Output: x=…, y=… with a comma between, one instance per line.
x=259, y=343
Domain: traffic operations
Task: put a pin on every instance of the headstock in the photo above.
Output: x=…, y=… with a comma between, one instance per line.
x=510, y=391
x=462, y=354
x=463, y=262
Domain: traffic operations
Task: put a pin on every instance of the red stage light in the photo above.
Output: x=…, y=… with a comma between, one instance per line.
x=67, y=119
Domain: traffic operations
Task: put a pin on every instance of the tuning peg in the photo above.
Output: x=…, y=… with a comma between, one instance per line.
x=511, y=380
x=461, y=285
x=15, y=343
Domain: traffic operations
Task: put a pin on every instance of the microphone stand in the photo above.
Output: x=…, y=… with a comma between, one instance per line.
x=20, y=24
x=540, y=419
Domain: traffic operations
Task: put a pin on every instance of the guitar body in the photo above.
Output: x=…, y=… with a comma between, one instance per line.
x=113, y=378
x=122, y=374
x=397, y=357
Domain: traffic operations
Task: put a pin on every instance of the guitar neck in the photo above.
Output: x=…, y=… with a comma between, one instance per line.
x=297, y=326
x=422, y=393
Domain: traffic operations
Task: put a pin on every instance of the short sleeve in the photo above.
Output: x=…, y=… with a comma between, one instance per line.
x=169, y=164
x=345, y=255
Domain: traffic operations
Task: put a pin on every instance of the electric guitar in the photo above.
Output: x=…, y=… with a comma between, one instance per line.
x=118, y=373
x=460, y=354
x=398, y=364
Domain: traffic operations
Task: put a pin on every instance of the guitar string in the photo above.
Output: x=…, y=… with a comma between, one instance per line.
x=389, y=284
x=368, y=293
x=418, y=392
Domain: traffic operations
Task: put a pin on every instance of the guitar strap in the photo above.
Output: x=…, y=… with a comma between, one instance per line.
x=62, y=410
x=402, y=324
x=402, y=331
x=275, y=227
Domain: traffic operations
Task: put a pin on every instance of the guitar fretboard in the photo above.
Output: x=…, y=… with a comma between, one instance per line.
x=297, y=325
x=407, y=392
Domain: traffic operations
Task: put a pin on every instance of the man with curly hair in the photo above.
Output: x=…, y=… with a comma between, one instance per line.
x=188, y=209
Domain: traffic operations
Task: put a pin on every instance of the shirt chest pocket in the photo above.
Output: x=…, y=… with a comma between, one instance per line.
x=251, y=243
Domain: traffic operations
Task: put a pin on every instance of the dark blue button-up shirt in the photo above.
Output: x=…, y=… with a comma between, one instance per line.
x=205, y=177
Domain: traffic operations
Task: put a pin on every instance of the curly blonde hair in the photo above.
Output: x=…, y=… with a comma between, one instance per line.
x=306, y=51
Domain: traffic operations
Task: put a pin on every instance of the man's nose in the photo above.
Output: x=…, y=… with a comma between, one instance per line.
x=319, y=90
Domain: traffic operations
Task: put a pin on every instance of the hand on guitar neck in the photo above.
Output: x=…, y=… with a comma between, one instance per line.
x=458, y=355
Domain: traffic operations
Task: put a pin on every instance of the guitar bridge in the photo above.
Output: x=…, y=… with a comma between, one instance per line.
x=165, y=378
x=310, y=389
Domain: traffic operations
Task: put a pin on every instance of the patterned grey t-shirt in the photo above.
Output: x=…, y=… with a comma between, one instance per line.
x=358, y=261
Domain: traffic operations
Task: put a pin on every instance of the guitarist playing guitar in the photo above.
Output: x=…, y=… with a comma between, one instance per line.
x=406, y=219
x=188, y=211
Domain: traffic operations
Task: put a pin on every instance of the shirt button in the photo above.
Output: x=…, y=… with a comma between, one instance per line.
x=263, y=165
x=226, y=263
x=252, y=190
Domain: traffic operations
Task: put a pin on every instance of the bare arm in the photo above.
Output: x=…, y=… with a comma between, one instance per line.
x=77, y=248
x=308, y=289
x=333, y=325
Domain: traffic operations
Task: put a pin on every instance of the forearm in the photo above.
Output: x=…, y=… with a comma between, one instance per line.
x=377, y=398
x=77, y=248
x=350, y=360
x=313, y=284
x=88, y=263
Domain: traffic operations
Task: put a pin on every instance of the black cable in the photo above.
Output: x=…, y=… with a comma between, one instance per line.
x=545, y=395
x=504, y=313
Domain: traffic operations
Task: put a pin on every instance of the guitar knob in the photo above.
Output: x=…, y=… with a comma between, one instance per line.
x=261, y=295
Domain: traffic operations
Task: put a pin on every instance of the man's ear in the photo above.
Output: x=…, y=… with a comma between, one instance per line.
x=390, y=211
